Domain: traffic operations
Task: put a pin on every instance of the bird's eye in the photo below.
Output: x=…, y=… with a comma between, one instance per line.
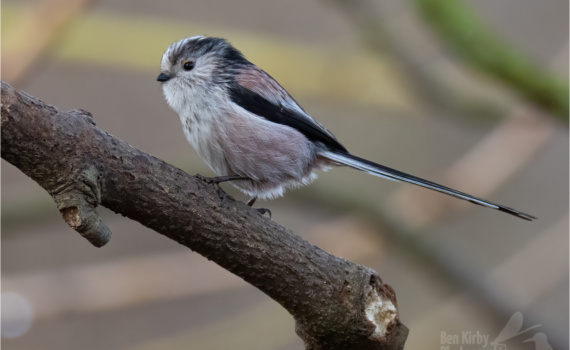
x=188, y=65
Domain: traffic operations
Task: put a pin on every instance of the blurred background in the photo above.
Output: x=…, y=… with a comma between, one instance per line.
x=471, y=94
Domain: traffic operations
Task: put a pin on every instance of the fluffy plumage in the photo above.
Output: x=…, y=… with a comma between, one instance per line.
x=243, y=123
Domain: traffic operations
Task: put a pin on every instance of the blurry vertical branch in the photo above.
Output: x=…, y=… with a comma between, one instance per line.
x=462, y=30
x=336, y=304
x=34, y=32
x=459, y=28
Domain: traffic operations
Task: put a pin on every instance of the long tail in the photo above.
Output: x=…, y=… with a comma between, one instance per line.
x=395, y=175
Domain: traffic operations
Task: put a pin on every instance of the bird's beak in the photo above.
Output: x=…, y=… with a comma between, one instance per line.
x=162, y=77
x=530, y=339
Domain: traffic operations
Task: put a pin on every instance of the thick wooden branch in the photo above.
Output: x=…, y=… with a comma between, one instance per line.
x=336, y=304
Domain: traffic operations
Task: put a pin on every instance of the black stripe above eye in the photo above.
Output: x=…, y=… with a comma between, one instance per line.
x=257, y=104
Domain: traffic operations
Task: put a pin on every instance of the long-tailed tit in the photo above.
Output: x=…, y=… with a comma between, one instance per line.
x=245, y=126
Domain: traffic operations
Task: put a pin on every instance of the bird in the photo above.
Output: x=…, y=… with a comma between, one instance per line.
x=512, y=329
x=540, y=341
x=251, y=132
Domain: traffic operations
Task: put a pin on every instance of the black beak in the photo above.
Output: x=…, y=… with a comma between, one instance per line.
x=163, y=77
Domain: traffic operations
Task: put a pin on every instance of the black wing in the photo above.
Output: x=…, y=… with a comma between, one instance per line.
x=258, y=105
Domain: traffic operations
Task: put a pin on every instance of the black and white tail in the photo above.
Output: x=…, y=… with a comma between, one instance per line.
x=395, y=175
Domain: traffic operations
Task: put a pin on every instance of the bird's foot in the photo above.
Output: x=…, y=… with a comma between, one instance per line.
x=216, y=182
x=262, y=211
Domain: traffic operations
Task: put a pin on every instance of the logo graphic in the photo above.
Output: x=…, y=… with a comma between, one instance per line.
x=475, y=340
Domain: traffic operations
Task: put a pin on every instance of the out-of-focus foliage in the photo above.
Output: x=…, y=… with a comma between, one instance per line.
x=471, y=39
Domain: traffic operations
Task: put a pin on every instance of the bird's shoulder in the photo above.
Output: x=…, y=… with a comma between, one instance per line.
x=256, y=91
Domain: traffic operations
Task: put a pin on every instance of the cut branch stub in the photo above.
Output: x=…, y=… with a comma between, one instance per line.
x=77, y=199
x=361, y=303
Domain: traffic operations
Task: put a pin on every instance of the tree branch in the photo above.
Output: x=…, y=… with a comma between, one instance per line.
x=461, y=29
x=336, y=304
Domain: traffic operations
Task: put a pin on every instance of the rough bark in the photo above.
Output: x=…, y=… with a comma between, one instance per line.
x=336, y=304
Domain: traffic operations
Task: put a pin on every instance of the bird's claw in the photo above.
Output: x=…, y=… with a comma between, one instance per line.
x=222, y=195
x=263, y=211
x=207, y=180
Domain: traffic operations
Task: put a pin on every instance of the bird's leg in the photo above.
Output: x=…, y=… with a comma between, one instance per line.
x=219, y=179
x=262, y=211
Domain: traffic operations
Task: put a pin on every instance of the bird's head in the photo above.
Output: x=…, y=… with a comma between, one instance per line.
x=199, y=60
